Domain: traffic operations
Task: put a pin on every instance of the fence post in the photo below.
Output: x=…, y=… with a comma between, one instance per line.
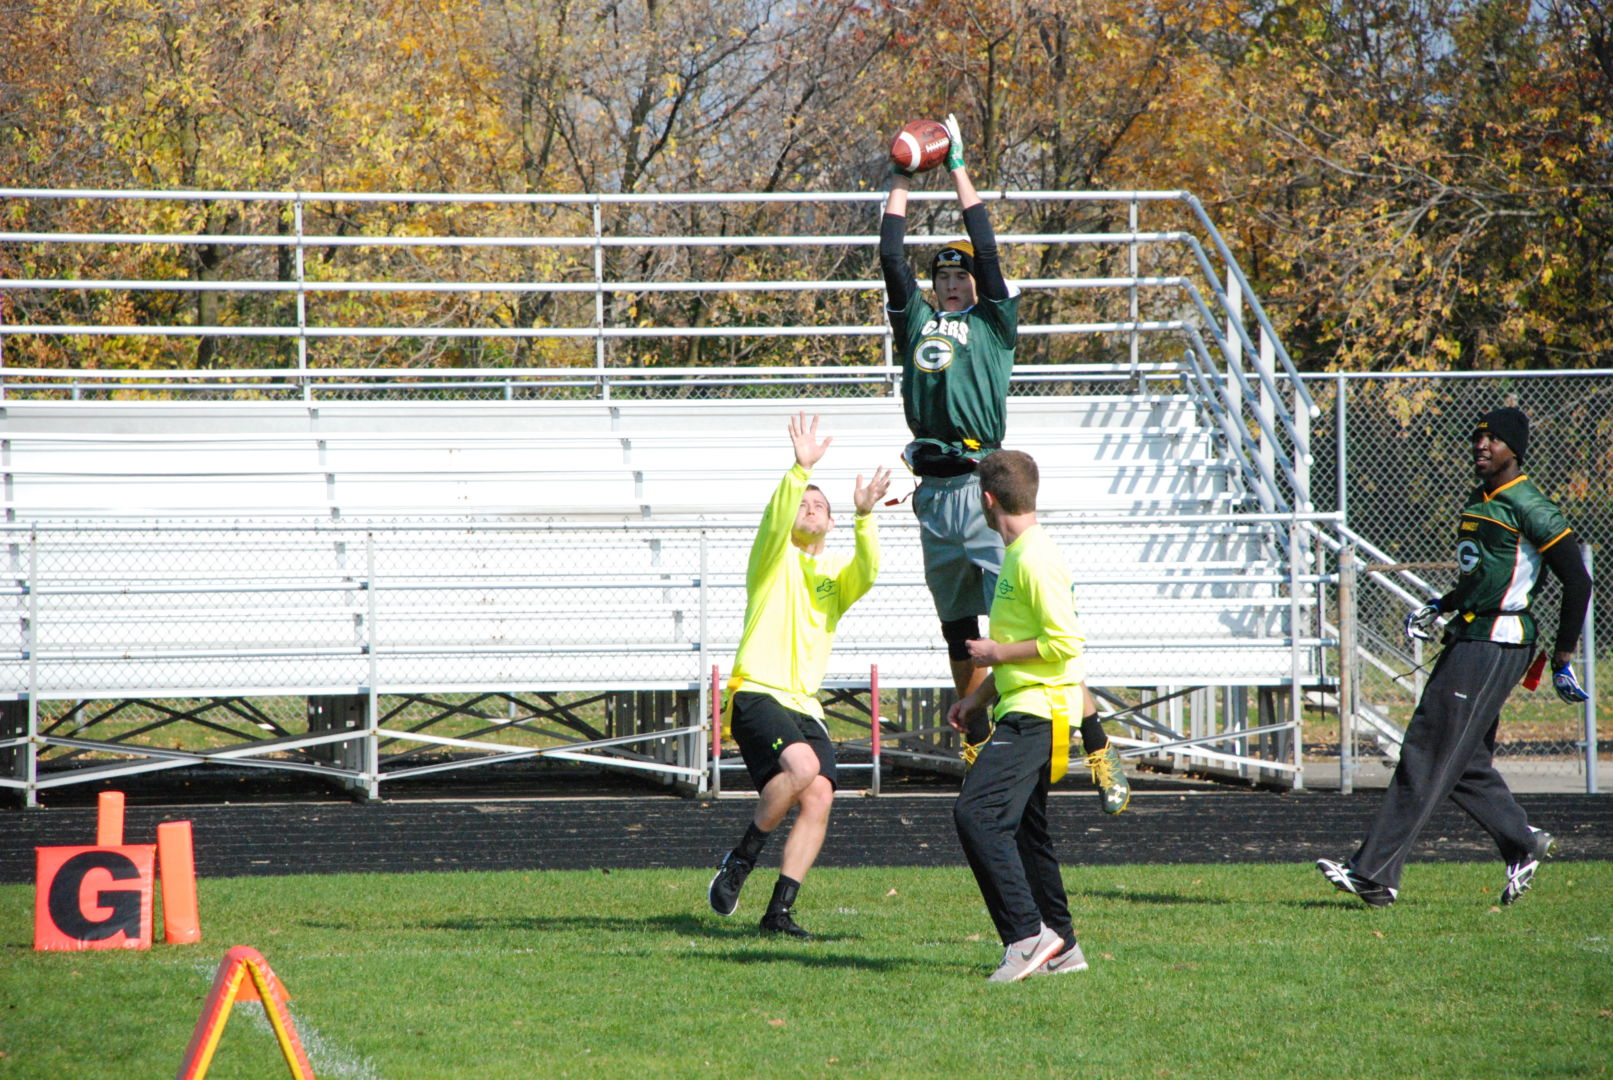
x=1591, y=785
x=370, y=778
x=1341, y=456
x=873, y=725
x=1296, y=688
x=30, y=752
x=1347, y=669
x=716, y=735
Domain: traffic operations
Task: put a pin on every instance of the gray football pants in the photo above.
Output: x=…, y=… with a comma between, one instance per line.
x=1447, y=752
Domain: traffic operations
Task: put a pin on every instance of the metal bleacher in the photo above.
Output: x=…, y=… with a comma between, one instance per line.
x=353, y=550
x=329, y=561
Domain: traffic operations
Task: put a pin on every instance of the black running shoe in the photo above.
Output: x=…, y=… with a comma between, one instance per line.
x=779, y=922
x=725, y=886
x=1347, y=880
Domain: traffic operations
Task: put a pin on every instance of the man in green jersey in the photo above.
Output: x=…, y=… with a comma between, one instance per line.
x=957, y=357
x=1505, y=532
x=1034, y=657
x=795, y=596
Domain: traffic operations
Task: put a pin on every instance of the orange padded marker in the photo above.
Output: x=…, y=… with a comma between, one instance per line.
x=177, y=869
x=109, y=819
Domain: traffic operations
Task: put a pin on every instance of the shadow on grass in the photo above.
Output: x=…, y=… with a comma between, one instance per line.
x=1133, y=896
x=743, y=942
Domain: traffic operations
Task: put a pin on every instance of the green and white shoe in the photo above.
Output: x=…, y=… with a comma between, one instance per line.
x=1111, y=781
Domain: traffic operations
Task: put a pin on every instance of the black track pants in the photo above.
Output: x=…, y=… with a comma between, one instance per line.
x=1447, y=751
x=1001, y=815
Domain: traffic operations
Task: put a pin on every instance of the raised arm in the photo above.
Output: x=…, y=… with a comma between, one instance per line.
x=976, y=222
x=900, y=284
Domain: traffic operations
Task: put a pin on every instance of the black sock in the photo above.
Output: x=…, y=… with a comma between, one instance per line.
x=751, y=844
x=783, y=894
x=1093, y=736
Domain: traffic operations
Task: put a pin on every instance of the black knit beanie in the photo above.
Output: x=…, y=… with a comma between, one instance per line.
x=1509, y=425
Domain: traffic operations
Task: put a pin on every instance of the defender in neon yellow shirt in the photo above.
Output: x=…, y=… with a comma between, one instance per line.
x=796, y=594
x=1035, y=652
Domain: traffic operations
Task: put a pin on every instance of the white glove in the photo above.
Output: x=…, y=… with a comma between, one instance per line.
x=955, y=140
x=1421, y=624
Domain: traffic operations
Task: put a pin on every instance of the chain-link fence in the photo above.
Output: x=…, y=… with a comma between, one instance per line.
x=1401, y=472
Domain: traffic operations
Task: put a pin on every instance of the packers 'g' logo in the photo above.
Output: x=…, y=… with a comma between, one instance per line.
x=1467, y=556
x=933, y=354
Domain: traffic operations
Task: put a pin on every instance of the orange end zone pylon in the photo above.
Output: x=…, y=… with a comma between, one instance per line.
x=241, y=968
x=176, y=862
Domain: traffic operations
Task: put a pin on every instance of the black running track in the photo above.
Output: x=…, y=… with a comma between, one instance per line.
x=594, y=822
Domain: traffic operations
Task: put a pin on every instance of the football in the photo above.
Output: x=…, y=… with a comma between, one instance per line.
x=920, y=145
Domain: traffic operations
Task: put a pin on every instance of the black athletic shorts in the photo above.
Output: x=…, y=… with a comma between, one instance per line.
x=763, y=728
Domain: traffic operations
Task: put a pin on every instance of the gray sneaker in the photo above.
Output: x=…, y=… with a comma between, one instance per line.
x=1023, y=957
x=1521, y=874
x=1071, y=959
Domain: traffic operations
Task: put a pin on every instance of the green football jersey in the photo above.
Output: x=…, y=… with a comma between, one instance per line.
x=955, y=372
x=1500, y=537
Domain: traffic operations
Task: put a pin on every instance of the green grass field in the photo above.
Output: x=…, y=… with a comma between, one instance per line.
x=1244, y=971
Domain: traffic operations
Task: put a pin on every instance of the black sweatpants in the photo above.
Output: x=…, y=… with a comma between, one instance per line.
x=1001, y=816
x=1448, y=750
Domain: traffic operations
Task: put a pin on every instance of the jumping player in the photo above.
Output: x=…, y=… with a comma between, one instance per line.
x=1504, y=533
x=794, y=601
x=956, y=359
x=1034, y=655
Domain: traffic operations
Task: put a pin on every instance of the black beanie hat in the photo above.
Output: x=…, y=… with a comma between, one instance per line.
x=958, y=253
x=1509, y=425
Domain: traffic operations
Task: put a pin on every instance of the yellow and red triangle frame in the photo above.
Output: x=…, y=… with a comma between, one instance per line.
x=243, y=975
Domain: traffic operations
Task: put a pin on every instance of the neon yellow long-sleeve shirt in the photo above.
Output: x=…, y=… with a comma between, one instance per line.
x=794, y=602
x=1035, y=599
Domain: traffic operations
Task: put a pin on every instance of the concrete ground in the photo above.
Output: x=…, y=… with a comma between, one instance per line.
x=1522, y=776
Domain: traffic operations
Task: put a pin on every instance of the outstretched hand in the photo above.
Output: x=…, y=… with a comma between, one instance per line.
x=955, y=143
x=804, y=437
x=866, y=497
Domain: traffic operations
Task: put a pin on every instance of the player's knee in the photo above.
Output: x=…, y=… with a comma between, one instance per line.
x=817, y=796
x=968, y=819
x=957, y=633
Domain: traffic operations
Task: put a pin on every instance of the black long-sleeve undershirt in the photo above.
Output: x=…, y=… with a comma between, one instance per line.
x=1568, y=563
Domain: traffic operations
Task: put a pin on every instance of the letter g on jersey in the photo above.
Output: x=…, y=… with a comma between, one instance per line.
x=1467, y=556
x=933, y=354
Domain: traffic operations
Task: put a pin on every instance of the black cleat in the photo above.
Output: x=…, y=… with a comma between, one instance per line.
x=779, y=922
x=1521, y=874
x=1345, y=879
